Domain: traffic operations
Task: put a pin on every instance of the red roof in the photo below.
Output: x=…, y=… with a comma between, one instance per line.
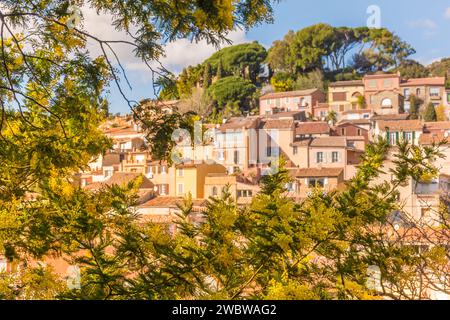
x=304, y=128
x=316, y=172
x=298, y=93
x=435, y=81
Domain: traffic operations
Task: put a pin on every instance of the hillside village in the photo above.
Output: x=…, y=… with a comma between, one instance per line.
x=317, y=168
x=318, y=152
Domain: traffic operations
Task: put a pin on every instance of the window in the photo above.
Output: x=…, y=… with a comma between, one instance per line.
x=180, y=172
x=323, y=114
x=163, y=189
x=316, y=182
x=108, y=173
x=372, y=84
x=371, y=99
x=359, y=132
x=319, y=157
x=278, y=102
x=335, y=156
x=163, y=169
x=341, y=108
x=343, y=131
x=434, y=92
x=290, y=187
x=236, y=157
x=287, y=100
x=214, y=191
x=267, y=113
x=180, y=189
x=387, y=83
x=407, y=93
x=408, y=136
x=366, y=116
x=407, y=106
x=418, y=92
x=295, y=150
x=393, y=138
x=386, y=103
x=221, y=155
x=339, y=96
x=244, y=193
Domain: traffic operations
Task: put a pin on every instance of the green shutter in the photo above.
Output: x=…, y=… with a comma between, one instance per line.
x=413, y=137
x=388, y=135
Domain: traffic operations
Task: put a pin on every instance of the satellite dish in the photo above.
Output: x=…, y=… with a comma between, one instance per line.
x=396, y=227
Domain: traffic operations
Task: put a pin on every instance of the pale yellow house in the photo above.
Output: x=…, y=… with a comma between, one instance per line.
x=190, y=178
x=343, y=95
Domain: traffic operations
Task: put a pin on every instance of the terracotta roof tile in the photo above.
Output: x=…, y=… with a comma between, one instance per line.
x=170, y=202
x=350, y=83
x=402, y=116
x=110, y=159
x=334, y=141
x=288, y=94
x=121, y=179
x=304, y=128
x=434, y=81
x=430, y=138
x=277, y=124
x=239, y=123
x=402, y=125
x=316, y=172
x=439, y=125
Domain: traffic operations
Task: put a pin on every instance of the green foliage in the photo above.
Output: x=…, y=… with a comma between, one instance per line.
x=233, y=91
x=206, y=76
x=412, y=69
x=312, y=80
x=430, y=113
x=242, y=60
x=326, y=48
x=282, y=82
x=415, y=104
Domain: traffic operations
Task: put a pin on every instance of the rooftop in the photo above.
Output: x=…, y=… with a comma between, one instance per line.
x=289, y=94
x=350, y=83
x=430, y=138
x=121, y=179
x=277, y=124
x=334, y=141
x=304, y=128
x=316, y=172
x=401, y=116
x=434, y=81
x=438, y=125
x=170, y=202
x=402, y=125
x=239, y=123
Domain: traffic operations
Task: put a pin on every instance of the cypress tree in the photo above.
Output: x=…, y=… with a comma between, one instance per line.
x=430, y=113
x=207, y=76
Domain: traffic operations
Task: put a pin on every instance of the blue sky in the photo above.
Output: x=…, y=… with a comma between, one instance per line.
x=423, y=24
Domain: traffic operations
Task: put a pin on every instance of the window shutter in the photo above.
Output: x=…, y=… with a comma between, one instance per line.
x=396, y=137
x=388, y=135
x=413, y=137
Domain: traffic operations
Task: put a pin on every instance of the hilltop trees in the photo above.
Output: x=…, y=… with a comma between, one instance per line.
x=233, y=90
x=327, y=48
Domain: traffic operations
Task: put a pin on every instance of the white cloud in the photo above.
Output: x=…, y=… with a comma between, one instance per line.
x=423, y=23
x=178, y=54
x=447, y=13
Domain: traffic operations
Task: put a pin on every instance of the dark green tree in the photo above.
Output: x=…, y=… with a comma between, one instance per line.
x=207, y=76
x=415, y=104
x=233, y=90
x=430, y=113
